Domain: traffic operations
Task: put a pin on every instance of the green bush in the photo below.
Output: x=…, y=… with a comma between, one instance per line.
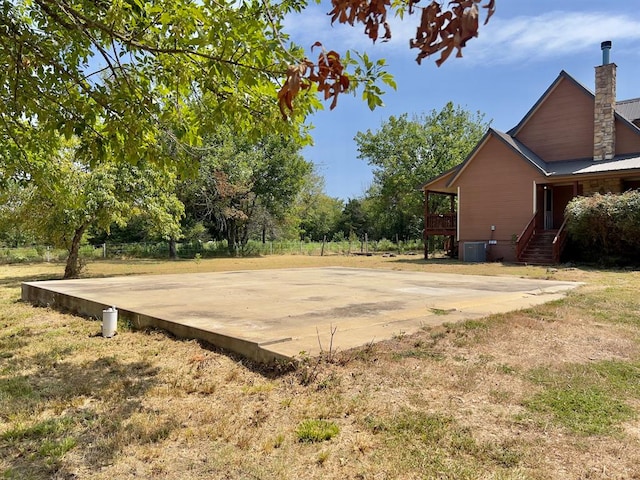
x=605, y=228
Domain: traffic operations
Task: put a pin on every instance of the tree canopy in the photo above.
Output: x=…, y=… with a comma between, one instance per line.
x=60, y=203
x=406, y=152
x=244, y=185
x=136, y=74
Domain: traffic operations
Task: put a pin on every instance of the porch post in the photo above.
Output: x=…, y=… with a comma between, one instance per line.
x=426, y=223
x=575, y=189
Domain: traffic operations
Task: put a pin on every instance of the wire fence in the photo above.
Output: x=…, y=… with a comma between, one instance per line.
x=212, y=249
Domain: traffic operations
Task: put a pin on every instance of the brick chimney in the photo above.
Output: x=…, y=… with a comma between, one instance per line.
x=604, y=131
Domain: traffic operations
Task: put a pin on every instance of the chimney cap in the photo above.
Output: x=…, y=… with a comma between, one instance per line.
x=605, y=45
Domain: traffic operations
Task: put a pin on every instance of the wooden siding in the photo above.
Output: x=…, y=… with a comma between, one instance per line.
x=627, y=140
x=496, y=188
x=562, y=126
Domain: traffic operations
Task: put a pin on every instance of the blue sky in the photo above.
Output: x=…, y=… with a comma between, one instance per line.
x=504, y=71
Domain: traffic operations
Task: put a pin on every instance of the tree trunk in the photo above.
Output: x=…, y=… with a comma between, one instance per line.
x=72, y=269
x=231, y=237
x=173, y=250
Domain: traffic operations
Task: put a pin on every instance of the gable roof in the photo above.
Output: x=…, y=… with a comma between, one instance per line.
x=626, y=110
x=629, y=109
x=510, y=142
x=584, y=166
x=442, y=176
x=561, y=76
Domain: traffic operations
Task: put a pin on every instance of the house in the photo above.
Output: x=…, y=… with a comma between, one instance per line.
x=507, y=198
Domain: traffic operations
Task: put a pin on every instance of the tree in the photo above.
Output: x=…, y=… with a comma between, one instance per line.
x=244, y=185
x=318, y=214
x=136, y=73
x=59, y=204
x=133, y=73
x=354, y=219
x=406, y=152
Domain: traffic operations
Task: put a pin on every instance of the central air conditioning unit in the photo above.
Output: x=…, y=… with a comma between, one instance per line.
x=475, y=252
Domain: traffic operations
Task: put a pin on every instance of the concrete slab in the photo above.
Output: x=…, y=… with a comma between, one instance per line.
x=271, y=315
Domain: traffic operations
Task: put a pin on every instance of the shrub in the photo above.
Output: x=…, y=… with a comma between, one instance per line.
x=605, y=228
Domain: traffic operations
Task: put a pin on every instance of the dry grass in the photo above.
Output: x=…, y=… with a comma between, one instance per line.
x=491, y=399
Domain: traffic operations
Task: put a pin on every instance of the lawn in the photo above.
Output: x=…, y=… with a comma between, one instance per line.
x=545, y=393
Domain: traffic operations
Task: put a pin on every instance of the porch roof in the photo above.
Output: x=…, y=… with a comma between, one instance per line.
x=590, y=166
x=629, y=109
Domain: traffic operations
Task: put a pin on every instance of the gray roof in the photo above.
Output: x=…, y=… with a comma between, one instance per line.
x=586, y=166
x=629, y=109
x=522, y=149
x=583, y=166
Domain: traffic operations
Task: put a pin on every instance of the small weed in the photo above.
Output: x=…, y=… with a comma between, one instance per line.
x=55, y=426
x=504, y=455
x=500, y=396
x=331, y=381
x=258, y=389
x=474, y=325
x=366, y=353
x=278, y=441
x=308, y=369
x=441, y=311
x=506, y=369
x=54, y=450
x=15, y=388
x=322, y=457
x=435, y=336
x=315, y=431
x=400, y=335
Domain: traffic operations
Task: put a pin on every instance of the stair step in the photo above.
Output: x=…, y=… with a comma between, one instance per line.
x=539, y=251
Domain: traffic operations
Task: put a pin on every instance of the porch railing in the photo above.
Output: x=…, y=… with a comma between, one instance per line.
x=527, y=233
x=442, y=221
x=559, y=242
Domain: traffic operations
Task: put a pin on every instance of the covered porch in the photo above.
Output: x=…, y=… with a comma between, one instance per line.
x=545, y=236
x=441, y=218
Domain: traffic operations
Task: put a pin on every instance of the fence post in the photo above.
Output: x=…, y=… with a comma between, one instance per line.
x=324, y=240
x=104, y=250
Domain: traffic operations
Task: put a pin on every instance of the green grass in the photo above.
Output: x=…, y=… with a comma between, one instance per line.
x=587, y=399
x=53, y=450
x=588, y=411
x=437, y=443
x=47, y=428
x=315, y=431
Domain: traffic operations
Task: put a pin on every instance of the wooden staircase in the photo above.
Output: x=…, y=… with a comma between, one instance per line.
x=539, y=250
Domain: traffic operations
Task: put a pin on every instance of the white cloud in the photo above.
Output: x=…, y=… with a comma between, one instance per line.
x=503, y=41
x=551, y=35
